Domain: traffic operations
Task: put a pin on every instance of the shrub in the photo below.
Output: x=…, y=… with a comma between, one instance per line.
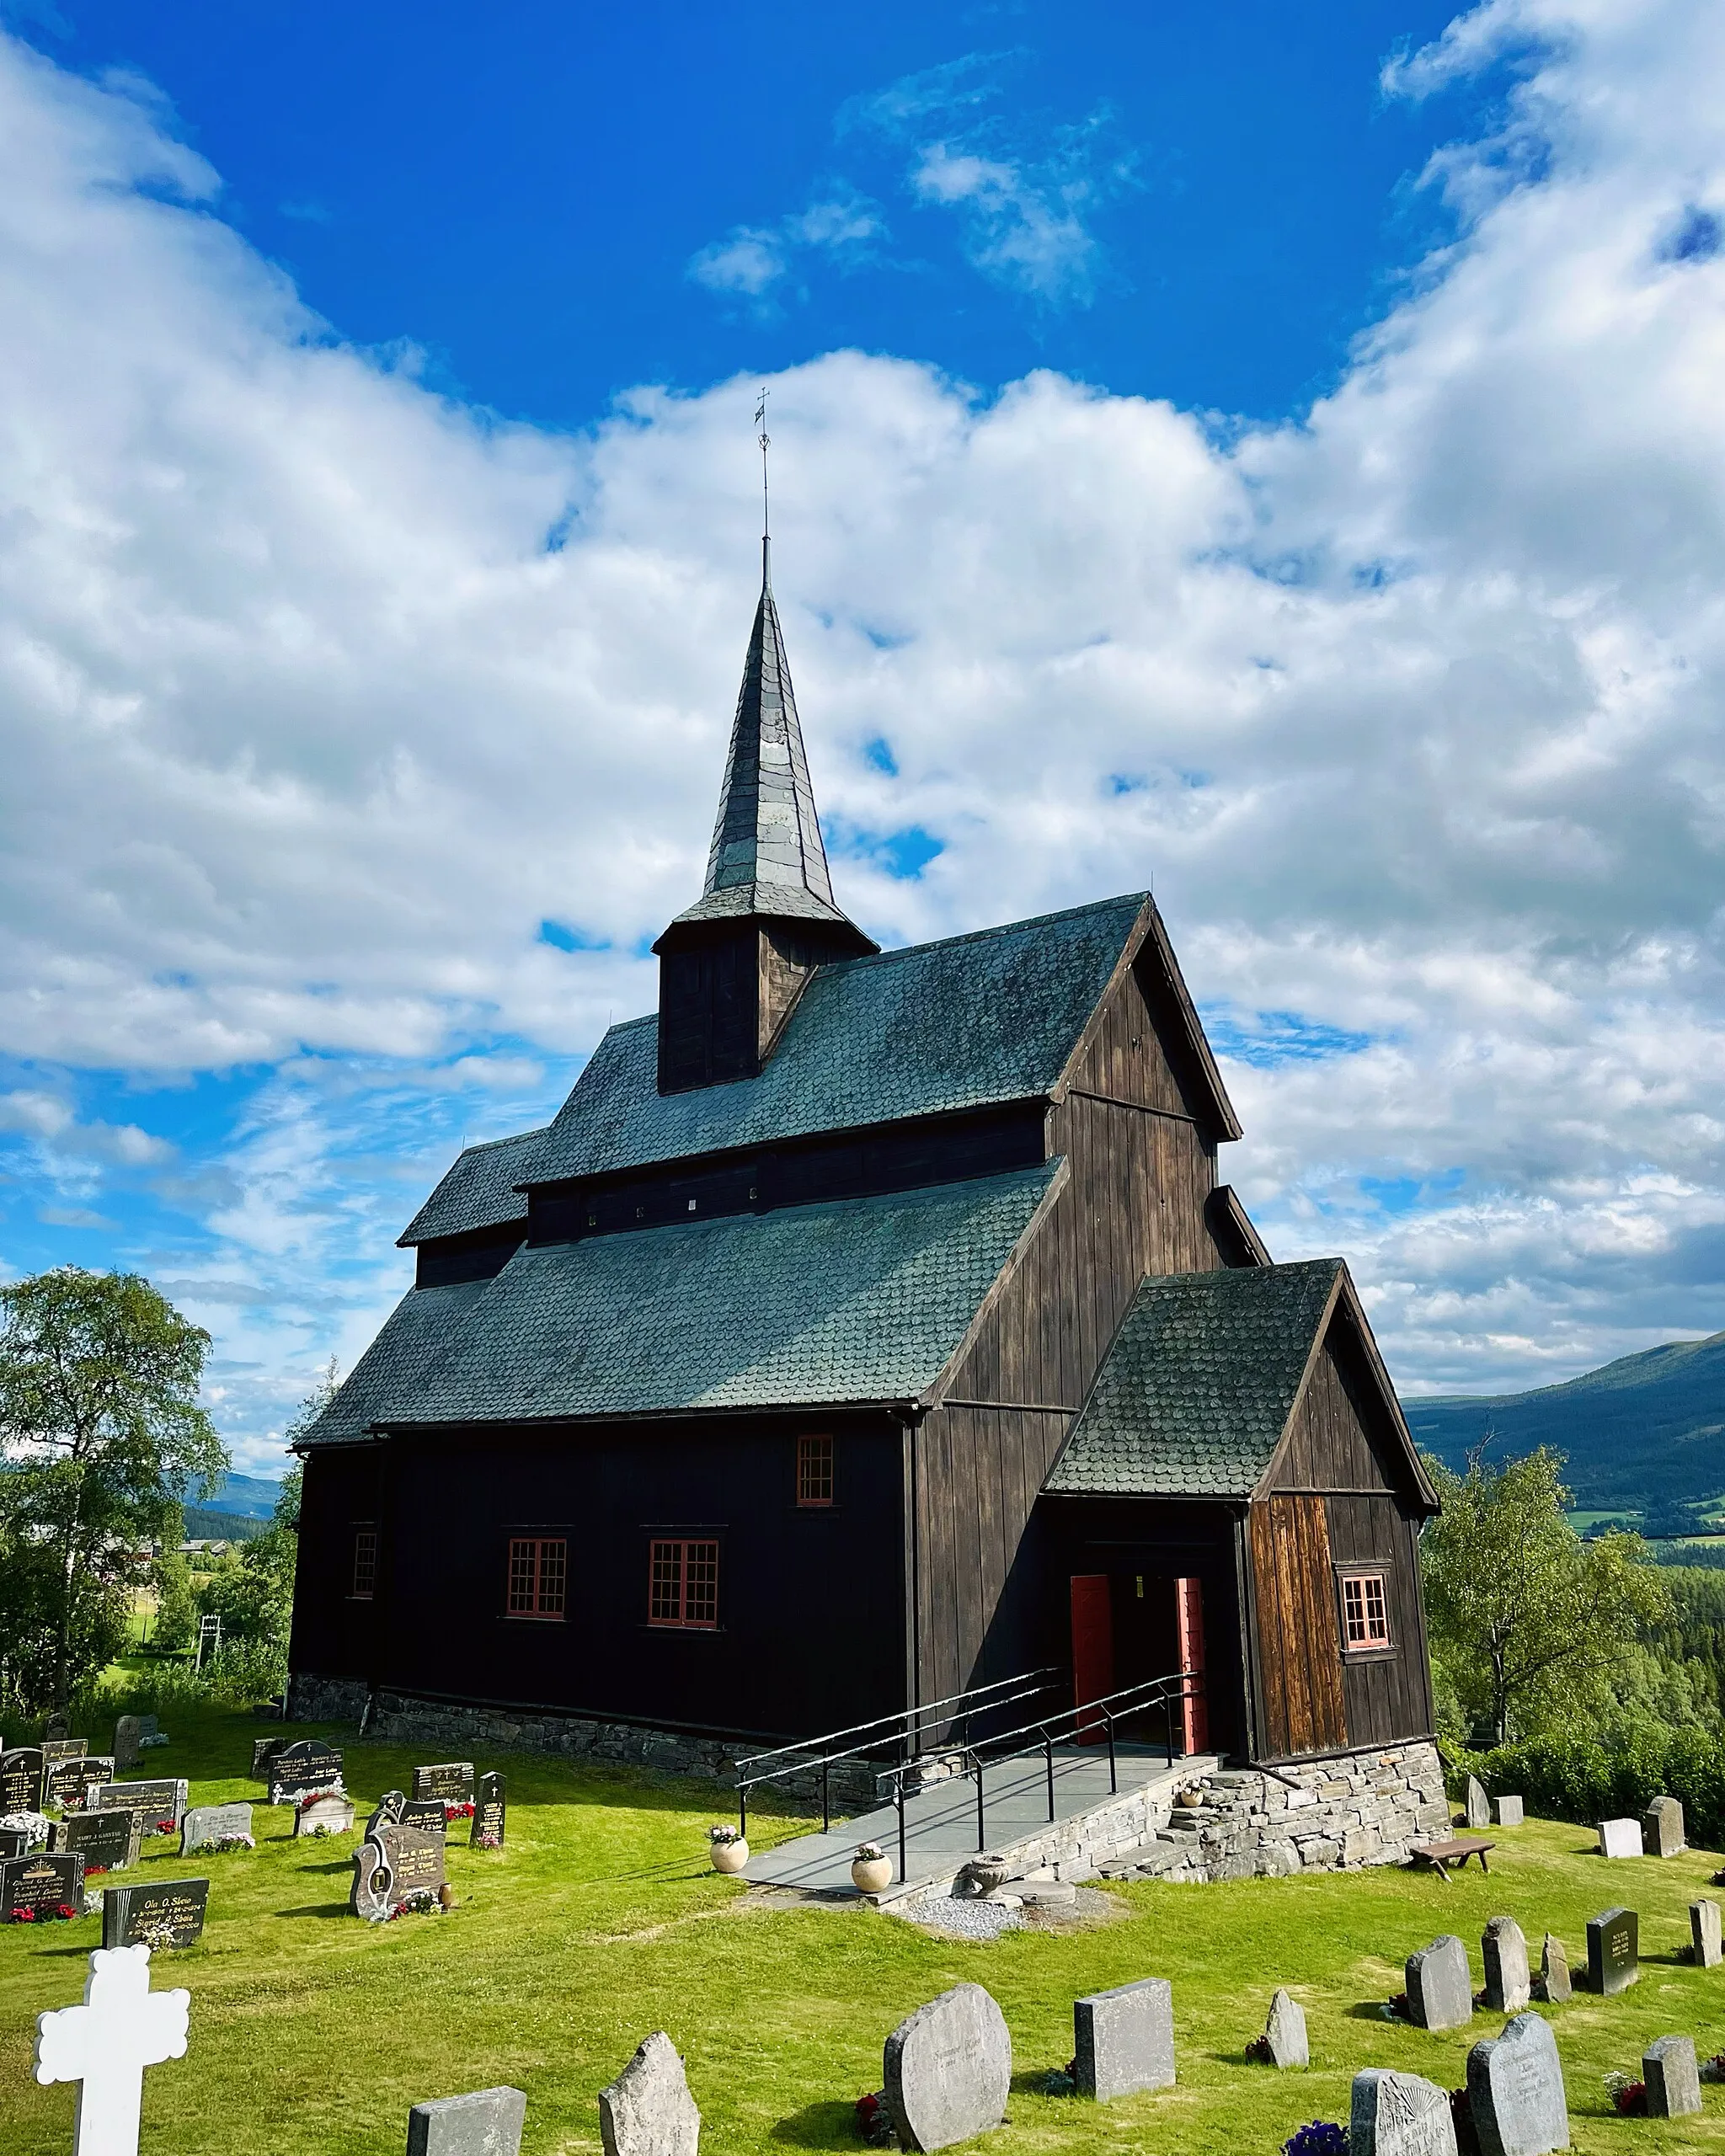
x=1586, y=1780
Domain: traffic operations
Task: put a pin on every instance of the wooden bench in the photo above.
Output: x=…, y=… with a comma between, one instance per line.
x=1438, y=1856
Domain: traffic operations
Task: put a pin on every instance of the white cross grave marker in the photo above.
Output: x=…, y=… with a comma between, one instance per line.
x=105, y=2044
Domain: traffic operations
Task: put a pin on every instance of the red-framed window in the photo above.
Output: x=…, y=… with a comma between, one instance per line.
x=814, y=1470
x=538, y=1575
x=682, y=1584
x=1365, y=1611
x=365, y=1563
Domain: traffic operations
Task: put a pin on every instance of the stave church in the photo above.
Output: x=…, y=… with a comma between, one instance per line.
x=867, y=1326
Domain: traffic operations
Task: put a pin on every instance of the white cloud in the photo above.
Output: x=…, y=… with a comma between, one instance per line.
x=320, y=694
x=753, y=260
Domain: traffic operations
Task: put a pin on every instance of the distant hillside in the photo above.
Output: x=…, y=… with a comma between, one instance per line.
x=248, y=1495
x=1645, y=1432
x=202, y=1526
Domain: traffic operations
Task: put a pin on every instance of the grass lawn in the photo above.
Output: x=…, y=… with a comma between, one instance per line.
x=312, y=2033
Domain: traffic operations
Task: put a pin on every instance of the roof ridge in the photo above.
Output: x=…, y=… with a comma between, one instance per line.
x=515, y=1138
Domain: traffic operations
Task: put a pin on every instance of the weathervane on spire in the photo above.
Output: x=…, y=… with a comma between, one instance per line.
x=765, y=439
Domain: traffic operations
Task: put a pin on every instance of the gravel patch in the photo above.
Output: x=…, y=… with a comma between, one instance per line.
x=973, y=1919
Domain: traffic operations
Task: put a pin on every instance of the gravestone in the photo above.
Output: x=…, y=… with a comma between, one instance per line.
x=69, y=1781
x=490, y=1813
x=42, y=1884
x=150, y=1731
x=1399, y=2114
x=390, y=1808
x=948, y=2067
x=393, y=1865
x=21, y=1779
x=56, y=1748
x=128, y=1731
x=450, y=1783
x=324, y=1815
x=1478, y=1805
x=205, y=1825
x=157, y=1803
x=487, y=2123
x=57, y=1725
x=1662, y=1828
x=1285, y=2032
x=1619, y=1838
x=1125, y=2038
x=426, y=1815
x=1613, y=1951
x=1673, y=2079
x=263, y=1749
x=648, y=2110
x=1554, y=1972
x=1706, y=1949
x=1504, y=1951
x=1440, y=1989
x=1515, y=2091
x=297, y=1769
x=107, y=1841
x=105, y=2044
x=163, y=1913
x=1510, y=1811
x=15, y=1841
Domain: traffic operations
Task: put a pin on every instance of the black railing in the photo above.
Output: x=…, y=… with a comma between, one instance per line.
x=888, y=1737
x=1071, y=1725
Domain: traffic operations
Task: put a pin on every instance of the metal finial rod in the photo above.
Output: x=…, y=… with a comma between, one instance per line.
x=765, y=439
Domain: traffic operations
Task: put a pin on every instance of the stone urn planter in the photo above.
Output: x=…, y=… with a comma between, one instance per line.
x=1190, y=1800
x=729, y=1856
x=871, y=1875
x=983, y=1874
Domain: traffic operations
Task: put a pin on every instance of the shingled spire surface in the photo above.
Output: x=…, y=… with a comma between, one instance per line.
x=767, y=857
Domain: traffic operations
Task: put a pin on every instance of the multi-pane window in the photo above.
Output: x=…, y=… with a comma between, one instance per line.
x=365, y=1563
x=538, y=1575
x=682, y=1584
x=1365, y=1610
x=814, y=1470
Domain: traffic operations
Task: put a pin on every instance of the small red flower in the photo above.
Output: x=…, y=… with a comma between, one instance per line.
x=23, y=1916
x=164, y=1826
x=1631, y=2099
x=64, y=1909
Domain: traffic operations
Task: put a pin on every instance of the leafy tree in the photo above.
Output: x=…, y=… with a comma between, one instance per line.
x=101, y=1428
x=31, y=1610
x=176, y=1603
x=1531, y=1624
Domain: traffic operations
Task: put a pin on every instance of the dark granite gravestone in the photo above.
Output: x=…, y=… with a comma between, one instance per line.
x=1704, y=1931
x=21, y=1779
x=1672, y=2077
x=207, y=1825
x=1662, y=1828
x=1440, y=1989
x=425, y=1813
x=1554, y=1985
x=67, y=1783
x=159, y=1804
x=1504, y=1951
x=263, y=1749
x=489, y=1813
x=163, y=1914
x=296, y=1769
x=648, y=2110
x=150, y=1730
x=452, y=1782
x=107, y=1841
x=1613, y=1950
x=390, y=1808
x=948, y=2068
x=1515, y=2091
x=487, y=2123
x=56, y=1748
x=42, y=1884
x=1399, y=2114
x=1125, y=2038
x=393, y=1866
x=14, y=1842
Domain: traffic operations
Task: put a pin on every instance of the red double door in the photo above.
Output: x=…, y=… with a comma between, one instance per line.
x=1098, y=1668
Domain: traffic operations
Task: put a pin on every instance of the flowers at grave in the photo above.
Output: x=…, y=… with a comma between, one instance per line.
x=164, y=1827
x=425, y=1903
x=225, y=1842
x=1322, y=2137
x=488, y=1839
x=1397, y=2008
x=873, y=2123
x=1629, y=2098
x=1713, y=2069
x=65, y=1911
x=23, y=1916
x=1061, y=2080
x=722, y=1837
x=454, y=1811
x=32, y=1825
x=1258, y=2052
x=94, y=1870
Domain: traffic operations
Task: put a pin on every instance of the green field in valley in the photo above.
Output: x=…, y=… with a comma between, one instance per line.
x=312, y=2033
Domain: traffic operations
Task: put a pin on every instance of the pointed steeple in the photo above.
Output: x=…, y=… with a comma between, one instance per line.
x=766, y=856
x=732, y=965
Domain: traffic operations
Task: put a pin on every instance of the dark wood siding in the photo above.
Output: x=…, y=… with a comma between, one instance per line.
x=1302, y=1707
x=1388, y=1695
x=1338, y=1439
x=333, y=1635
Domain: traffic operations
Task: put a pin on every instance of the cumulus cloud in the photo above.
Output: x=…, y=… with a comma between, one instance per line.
x=323, y=698
x=753, y=262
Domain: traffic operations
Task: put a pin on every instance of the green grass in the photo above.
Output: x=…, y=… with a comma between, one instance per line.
x=312, y=2034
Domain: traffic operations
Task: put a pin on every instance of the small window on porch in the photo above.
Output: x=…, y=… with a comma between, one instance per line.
x=1366, y=1612
x=814, y=1470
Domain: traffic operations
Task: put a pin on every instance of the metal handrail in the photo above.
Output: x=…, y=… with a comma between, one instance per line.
x=898, y=1731
x=1166, y=1692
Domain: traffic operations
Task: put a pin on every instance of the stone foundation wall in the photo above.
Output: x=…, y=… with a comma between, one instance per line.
x=1367, y=1808
x=397, y=1718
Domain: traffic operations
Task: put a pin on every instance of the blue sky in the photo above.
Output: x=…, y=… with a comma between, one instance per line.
x=1266, y=455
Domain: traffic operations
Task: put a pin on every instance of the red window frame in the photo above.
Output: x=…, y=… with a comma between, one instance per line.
x=1366, y=1612
x=682, y=1583
x=815, y=1472
x=365, y=1586
x=536, y=1584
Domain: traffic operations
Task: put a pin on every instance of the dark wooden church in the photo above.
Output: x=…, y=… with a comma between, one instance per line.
x=869, y=1325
